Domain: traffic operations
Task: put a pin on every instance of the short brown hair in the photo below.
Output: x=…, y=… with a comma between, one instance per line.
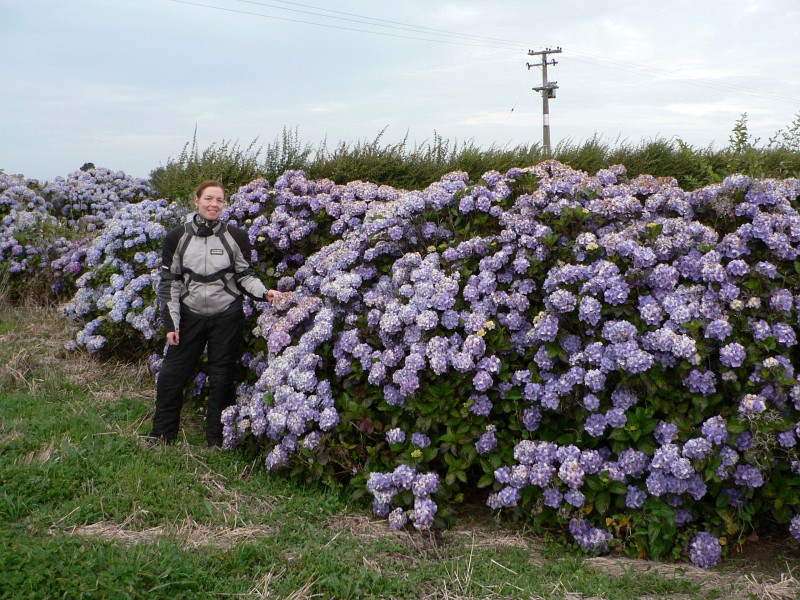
x=207, y=184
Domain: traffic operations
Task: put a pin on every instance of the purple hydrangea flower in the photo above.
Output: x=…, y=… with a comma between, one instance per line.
x=592, y=539
x=552, y=497
x=424, y=512
x=420, y=439
x=616, y=418
x=715, y=430
x=635, y=497
x=794, y=527
x=486, y=443
x=531, y=418
x=697, y=448
x=395, y=436
x=748, y=476
x=732, y=355
x=398, y=519
x=425, y=484
x=787, y=438
x=705, y=550
x=509, y=496
x=752, y=404
x=666, y=433
x=575, y=498
x=595, y=424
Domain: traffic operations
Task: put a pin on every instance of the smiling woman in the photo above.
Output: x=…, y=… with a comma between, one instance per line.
x=209, y=200
x=205, y=271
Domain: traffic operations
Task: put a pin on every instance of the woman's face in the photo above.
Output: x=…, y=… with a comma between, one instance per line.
x=210, y=202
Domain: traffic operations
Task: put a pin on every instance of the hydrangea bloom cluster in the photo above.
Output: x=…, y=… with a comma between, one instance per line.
x=115, y=297
x=20, y=194
x=87, y=198
x=404, y=480
x=296, y=216
x=26, y=228
x=705, y=550
x=37, y=233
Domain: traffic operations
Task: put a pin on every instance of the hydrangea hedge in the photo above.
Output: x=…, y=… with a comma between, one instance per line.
x=26, y=228
x=611, y=356
x=85, y=199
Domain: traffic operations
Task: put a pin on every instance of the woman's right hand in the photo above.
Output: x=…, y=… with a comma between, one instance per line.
x=272, y=295
x=173, y=338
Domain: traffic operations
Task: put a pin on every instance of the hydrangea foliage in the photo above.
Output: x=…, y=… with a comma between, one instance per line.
x=613, y=356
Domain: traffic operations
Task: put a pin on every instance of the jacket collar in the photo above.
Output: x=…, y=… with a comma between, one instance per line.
x=203, y=227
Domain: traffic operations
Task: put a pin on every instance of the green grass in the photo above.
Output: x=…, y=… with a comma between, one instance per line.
x=85, y=512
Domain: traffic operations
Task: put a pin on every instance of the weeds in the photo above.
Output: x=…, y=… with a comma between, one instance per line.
x=415, y=166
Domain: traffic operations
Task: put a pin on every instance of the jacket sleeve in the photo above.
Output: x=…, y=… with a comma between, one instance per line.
x=169, y=287
x=245, y=276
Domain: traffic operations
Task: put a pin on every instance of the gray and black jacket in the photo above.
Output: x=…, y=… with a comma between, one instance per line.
x=205, y=270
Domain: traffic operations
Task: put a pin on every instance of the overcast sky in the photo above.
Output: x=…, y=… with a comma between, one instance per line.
x=124, y=83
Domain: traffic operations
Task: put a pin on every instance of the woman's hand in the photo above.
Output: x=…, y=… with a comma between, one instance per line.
x=173, y=338
x=273, y=295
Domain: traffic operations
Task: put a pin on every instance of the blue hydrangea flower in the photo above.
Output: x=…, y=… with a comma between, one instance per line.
x=705, y=550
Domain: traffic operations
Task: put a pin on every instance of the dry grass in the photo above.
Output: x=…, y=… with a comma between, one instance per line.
x=190, y=533
x=43, y=455
x=734, y=586
x=44, y=336
x=785, y=588
x=465, y=541
x=421, y=544
x=262, y=589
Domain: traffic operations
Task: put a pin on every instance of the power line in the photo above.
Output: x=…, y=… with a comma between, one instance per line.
x=254, y=14
x=631, y=66
x=510, y=112
x=378, y=22
x=480, y=42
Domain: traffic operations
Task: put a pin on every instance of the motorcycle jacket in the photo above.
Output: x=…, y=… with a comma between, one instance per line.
x=205, y=268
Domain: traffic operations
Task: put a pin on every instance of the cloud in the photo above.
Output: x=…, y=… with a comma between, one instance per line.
x=700, y=72
x=328, y=107
x=704, y=109
x=485, y=118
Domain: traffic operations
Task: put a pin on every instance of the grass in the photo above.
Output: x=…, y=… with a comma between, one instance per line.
x=84, y=512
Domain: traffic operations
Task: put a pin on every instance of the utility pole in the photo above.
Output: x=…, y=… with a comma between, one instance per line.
x=548, y=90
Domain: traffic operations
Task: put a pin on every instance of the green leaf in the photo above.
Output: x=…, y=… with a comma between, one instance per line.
x=655, y=541
x=617, y=487
x=602, y=502
x=565, y=439
x=594, y=483
x=723, y=501
x=619, y=434
x=486, y=480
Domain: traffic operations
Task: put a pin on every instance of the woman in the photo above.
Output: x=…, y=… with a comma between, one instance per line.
x=205, y=271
